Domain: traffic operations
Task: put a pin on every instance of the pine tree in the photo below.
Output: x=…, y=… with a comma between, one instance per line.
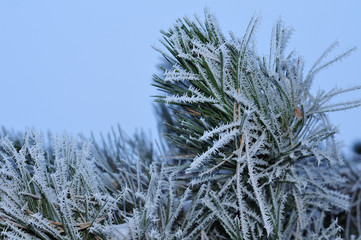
x=249, y=153
x=250, y=130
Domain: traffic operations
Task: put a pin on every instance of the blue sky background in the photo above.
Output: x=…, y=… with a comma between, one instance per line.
x=84, y=65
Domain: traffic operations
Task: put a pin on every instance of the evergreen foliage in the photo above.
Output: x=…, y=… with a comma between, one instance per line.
x=252, y=129
x=52, y=195
x=249, y=153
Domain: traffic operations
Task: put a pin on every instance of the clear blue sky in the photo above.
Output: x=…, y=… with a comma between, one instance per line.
x=84, y=65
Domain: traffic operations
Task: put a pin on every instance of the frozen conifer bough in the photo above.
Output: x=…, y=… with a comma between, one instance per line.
x=248, y=153
x=250, y=130
x=52, y=195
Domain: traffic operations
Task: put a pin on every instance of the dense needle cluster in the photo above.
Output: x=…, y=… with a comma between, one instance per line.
x=249, y=153
x=253, y=132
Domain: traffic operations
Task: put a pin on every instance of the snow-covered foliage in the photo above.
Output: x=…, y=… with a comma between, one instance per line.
x=52, y=195
x=350, y=220
x=248, y=125
x=250, y=154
